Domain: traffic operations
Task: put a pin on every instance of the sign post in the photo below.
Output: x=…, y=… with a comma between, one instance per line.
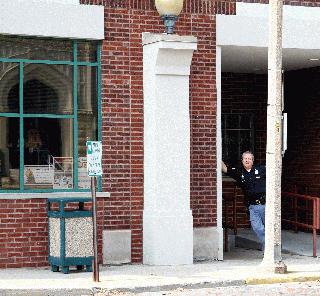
x=94, y=169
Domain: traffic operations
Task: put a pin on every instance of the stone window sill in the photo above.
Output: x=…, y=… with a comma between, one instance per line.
x=51, y=194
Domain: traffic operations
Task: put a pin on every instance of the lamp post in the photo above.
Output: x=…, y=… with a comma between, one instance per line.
x=272, y=260
x=169, y=11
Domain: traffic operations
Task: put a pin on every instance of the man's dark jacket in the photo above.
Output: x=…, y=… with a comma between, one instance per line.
x=252, y=183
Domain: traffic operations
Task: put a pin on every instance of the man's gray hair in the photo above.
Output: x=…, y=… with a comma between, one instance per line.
x=247, y=152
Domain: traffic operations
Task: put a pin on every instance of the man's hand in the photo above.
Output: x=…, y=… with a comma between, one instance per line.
x=224, y=167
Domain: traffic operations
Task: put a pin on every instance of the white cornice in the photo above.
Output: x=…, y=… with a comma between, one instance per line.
x=52, y=18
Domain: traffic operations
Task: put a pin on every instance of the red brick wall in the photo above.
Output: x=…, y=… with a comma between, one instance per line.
x=287, y=2
x=122, y=105
x=204, y=6
x=190, y=6
x=24, y=232
x=23, y=223
x=24, y=236
x=203, y=122
x=123, y=111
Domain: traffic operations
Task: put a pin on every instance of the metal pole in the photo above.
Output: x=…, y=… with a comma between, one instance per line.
x=95, y=237
x=272, y=257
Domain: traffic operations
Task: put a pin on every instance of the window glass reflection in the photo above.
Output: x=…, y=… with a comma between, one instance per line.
x=48, y=89
x=9, y=153
x=87, y=51
x=87, y=119
x=35, y=49
x=9, y=87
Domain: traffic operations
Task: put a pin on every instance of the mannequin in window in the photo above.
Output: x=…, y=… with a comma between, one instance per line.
x=33, y=144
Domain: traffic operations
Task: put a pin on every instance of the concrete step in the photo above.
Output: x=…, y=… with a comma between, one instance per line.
x=299, y=243
x=247, y=243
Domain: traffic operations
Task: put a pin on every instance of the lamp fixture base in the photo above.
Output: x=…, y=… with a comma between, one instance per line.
x=169, y=22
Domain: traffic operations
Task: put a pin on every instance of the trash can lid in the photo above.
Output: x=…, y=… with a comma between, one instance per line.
x=69, y=199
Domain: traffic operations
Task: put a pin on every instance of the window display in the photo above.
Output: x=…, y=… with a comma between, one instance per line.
x=62, y=172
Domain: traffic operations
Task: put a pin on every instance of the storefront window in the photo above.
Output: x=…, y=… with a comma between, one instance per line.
x=46, y=115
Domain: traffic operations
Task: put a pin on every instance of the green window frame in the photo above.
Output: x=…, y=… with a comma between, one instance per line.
x=75, y=63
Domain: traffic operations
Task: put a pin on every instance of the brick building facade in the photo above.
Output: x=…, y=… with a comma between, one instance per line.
x=23, y=221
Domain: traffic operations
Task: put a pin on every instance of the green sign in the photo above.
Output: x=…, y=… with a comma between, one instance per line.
x=94, y=158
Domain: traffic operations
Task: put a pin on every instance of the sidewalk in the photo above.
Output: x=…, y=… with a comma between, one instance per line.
x=240, y=267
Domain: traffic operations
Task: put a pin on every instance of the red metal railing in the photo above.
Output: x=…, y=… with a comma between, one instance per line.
x=225, y=200
x=314, y=202
x=294, y=205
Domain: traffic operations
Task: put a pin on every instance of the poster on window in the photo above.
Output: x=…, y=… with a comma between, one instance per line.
x=62, y=172
x=38, y=175
x=84, y=181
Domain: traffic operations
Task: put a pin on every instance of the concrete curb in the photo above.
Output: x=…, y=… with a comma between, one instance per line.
x=104, y=290
x=90, y=291
x=200, y=285
x=46, y=292
x=216, y=284
x=279, y=280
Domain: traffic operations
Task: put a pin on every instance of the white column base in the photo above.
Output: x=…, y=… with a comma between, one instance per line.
x=116, y=246
x=206, y=243
x=167, y=238
x=274, y=267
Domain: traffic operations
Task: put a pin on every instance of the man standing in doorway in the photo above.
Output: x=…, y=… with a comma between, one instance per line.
x=252, y=180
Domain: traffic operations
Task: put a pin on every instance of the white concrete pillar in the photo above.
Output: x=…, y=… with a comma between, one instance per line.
x=167, y=218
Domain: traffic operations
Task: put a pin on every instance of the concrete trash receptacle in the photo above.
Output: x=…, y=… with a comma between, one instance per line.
x=70, y=234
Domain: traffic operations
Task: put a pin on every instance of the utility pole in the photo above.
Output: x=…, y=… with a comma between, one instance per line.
x=272, y=260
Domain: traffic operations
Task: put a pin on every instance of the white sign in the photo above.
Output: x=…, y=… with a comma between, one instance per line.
x=94, y=157
x=38, y=175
